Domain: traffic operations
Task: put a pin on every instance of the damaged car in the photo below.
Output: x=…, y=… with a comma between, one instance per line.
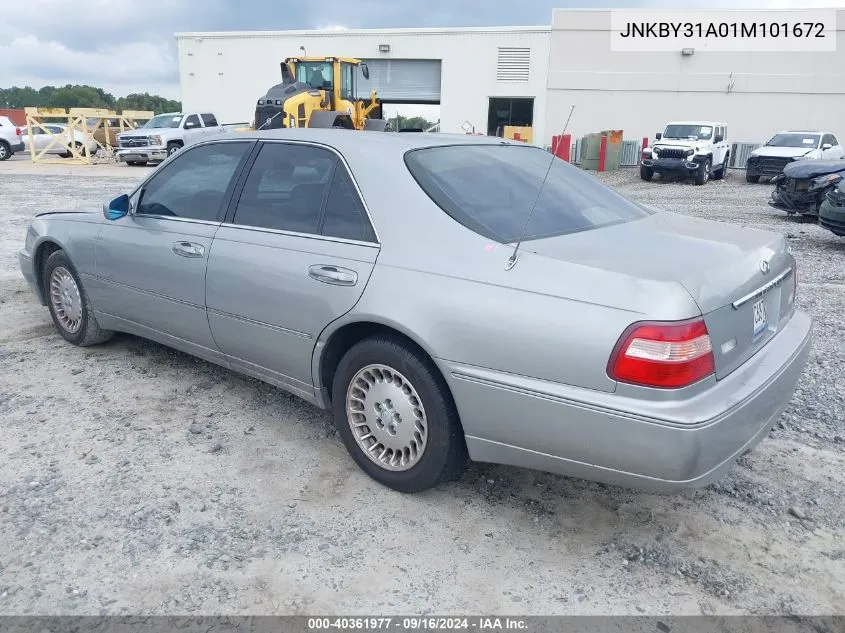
x=802, y=186
x=788, y=146
x=832, y=210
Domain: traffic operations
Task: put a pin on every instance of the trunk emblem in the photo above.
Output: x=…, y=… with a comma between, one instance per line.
x=764, y=267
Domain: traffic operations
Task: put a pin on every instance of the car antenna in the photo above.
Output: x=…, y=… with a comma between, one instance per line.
x=515, y=255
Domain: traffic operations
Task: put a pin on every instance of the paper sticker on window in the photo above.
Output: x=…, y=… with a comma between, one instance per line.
x=809, y=141
x=177, y=118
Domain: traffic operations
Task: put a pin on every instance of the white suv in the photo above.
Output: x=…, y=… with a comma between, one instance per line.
x=689, y=148
x=11, y=140
x=788, y=146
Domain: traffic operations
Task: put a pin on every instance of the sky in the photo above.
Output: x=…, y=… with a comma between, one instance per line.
x=128, y=46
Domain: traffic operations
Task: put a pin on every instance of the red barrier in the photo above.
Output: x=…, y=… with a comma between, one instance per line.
x=602, y=152
x=645, y=142
x=565, y=146
x=555, y=143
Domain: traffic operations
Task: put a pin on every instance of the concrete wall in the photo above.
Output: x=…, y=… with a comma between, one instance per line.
x=228, y=72
x=638, y=92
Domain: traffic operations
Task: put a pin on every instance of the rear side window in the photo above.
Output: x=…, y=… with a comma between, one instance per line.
x=490, y=189
x=209, y=120
x=302, y=189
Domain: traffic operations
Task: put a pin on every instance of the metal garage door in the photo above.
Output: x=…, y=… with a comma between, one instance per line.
x=413, y=80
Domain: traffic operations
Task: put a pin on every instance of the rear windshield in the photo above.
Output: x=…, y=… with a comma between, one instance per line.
x=490, y=189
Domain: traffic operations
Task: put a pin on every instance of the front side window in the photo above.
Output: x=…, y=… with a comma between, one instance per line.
x=194, y=184
x=490, y=189
x=192, y=121
x=688, y=132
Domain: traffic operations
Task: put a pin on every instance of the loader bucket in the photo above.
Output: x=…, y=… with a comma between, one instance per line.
x=376, y=125
x=330, y=119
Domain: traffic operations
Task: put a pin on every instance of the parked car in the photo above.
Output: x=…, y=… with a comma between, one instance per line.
x=442, y=303
x=802, y=186
x=106, y=136
x=832, y=210
x=699, y=149
x=10, y=138
x=162, y=136
x=788, y=146
x=56, y=139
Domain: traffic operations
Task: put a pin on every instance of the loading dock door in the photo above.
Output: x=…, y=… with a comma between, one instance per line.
x=402, y=80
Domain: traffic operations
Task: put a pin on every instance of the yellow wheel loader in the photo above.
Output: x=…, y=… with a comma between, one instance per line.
x=318, y=92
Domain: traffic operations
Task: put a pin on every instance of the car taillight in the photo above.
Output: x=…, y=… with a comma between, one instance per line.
x=666, y=355
x=17, y=131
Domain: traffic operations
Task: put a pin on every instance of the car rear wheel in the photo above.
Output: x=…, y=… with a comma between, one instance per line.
x=68, y=303
x=702, y=174
x=752, y=179
x=396, y=416
x=646, y=173
x=5, y=151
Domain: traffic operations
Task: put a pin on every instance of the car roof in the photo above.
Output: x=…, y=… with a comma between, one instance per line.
x=802, y=132
x=353, y=140
x=713, y=123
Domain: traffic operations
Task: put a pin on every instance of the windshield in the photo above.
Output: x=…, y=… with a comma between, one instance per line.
x=164, y=120
x=490, y=189
x=689, y=132
x=318, y=75
x=810, y=141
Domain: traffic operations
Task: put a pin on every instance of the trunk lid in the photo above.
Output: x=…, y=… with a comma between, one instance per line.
x=720, y=265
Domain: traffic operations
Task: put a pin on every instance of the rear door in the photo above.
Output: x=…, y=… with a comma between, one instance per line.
x=294, y=254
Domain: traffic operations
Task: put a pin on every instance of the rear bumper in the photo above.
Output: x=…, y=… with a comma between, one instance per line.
x=670, y=165
x=141, y=154
x=661, y=446
x=17, y=147
x=832, y=218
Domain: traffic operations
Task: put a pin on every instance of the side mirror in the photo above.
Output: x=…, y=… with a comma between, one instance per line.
x=718, y=139
x=365, y=71
x=189, y=125
x=117, y=208
x=827, y=146
x=658, y=136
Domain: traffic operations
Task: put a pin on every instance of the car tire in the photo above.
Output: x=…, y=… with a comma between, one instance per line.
x=702, y=174
x=646, y=173
x=5, y=151
x=172, y=148
x=752, y=179
x=390, y=397
x=136, y=163
x=68, y=303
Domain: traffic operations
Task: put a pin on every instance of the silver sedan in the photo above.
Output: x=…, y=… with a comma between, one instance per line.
x=55, y=138
x=446, y=297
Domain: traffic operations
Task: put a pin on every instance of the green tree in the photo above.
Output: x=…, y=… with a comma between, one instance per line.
x=82, y=96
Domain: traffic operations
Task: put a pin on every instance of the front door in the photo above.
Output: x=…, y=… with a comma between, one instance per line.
x=150, y=265
x=294, y=255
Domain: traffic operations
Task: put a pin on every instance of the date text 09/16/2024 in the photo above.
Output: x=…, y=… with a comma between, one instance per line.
x=421, y=623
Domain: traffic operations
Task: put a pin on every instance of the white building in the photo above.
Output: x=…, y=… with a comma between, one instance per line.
x=488, y=77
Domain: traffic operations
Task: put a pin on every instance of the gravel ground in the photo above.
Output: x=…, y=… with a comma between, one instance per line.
x=139, y=480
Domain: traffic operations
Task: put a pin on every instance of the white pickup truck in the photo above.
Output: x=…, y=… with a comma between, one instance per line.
x=163, y=135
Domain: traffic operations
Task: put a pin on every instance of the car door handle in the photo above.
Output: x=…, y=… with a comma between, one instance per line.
x=188, y=249
x=333, y=275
